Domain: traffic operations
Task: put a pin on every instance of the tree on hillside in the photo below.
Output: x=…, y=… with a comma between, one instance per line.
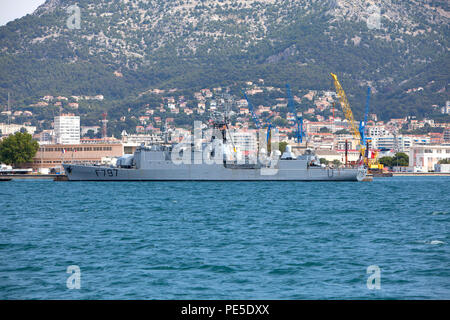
x=342, y=131
x=280, y=122
x=18, y=149
x=90, y=134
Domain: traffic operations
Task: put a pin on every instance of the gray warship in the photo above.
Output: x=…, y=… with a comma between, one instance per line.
x=212, y=160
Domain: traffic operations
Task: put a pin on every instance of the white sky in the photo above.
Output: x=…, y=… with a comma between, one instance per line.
x=13, y=9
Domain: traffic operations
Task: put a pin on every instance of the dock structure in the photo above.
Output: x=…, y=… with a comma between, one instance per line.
x=9, y=177
x=61, y=177
x=421, y=174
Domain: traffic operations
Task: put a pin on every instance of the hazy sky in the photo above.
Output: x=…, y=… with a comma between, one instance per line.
x=13, y=9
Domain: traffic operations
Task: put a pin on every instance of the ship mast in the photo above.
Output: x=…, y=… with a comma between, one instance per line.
x=221, y=119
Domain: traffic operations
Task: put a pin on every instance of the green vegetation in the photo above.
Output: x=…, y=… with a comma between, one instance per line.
x=336, y=163
x=18, y=149
x=444, y=161
x=342, y=131
x=400, y=159
x=280, y=122
x=282, y=146
x=426, y=129
x=154, y=44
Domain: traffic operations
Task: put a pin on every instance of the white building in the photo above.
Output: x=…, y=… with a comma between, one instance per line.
x=67, y=129
x=447, y=135
x=46, y=137
x=442, y=168
x=424, y=157
x=446, y=109
x=85, y=129
x=7, y=129
x=245, y=141
x=376, y=131
x=400, y=143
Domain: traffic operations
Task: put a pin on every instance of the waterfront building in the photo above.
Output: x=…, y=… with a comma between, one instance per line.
x=442, y=168
x=423, y=158
x=67, y=129
x=89, y=151
x=339, y=154
x=399, y=143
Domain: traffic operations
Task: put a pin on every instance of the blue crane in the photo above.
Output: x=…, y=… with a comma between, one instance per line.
x=362, y=124
x=268, y=132
x=254, y=116
x=298, y=120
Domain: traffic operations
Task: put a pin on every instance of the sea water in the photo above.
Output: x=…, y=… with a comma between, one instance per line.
x=386, y=239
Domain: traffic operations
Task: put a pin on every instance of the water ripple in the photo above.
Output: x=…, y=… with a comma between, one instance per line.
x=218, y=240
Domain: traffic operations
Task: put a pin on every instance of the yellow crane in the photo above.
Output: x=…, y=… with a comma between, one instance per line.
x=348, y=113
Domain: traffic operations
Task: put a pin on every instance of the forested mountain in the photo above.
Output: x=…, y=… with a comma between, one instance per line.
x=125, y=47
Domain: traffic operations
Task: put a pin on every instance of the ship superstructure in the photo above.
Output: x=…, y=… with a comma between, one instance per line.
x=214, y=158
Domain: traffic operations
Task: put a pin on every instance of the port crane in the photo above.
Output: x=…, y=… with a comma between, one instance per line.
x=364, y=139
x=362, y=124
x=298, y=120
x=252, y=111
x=348, y=114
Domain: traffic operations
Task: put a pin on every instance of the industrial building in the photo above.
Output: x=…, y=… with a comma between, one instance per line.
x=89, y=151
x=423, y=158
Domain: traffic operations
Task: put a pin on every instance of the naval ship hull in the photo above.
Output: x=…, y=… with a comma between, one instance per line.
x=287, y=171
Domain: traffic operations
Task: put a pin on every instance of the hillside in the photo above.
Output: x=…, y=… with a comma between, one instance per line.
x=127, y=47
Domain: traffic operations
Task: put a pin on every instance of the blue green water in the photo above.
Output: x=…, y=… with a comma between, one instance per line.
x=238, y=240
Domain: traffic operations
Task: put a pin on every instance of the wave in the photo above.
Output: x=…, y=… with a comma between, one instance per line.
x=438, y=213
x=435, y=242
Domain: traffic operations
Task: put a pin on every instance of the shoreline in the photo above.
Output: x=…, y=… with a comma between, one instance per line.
x=62, y=177
x=8, y=177
x=419, y=174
